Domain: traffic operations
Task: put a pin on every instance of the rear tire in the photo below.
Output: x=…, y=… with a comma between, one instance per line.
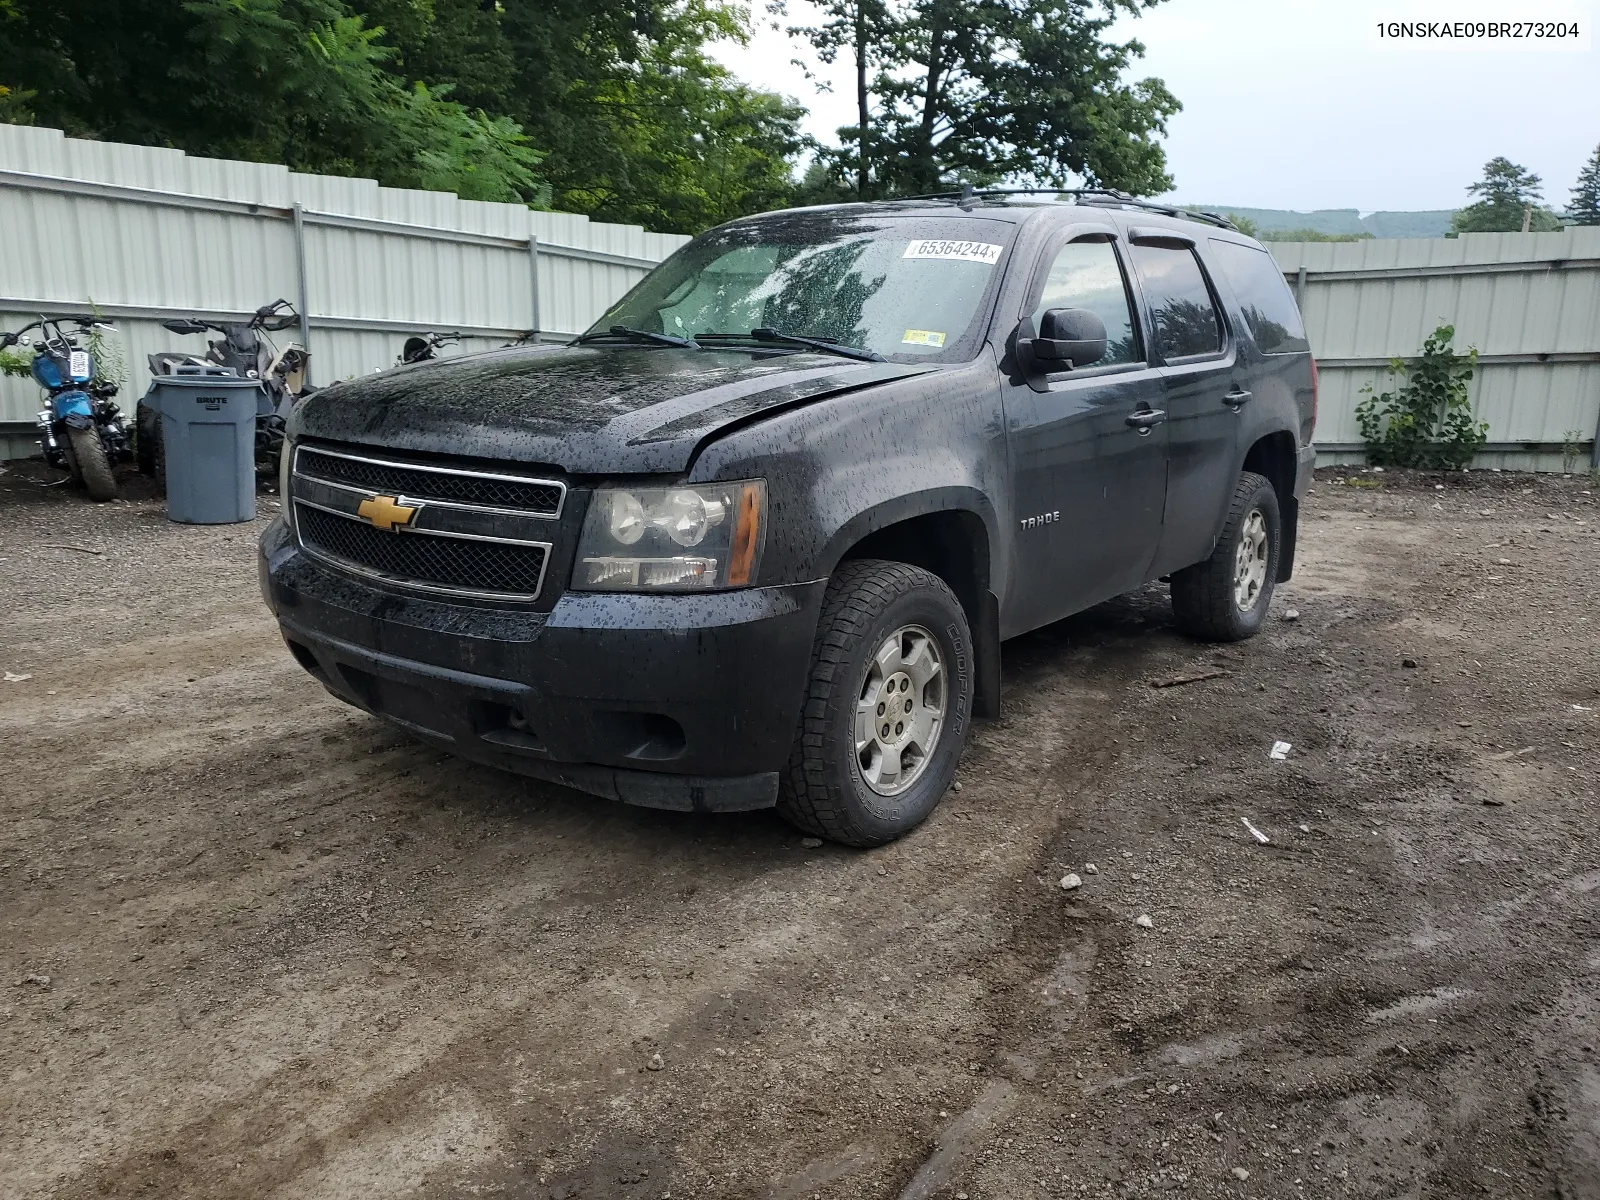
x=892, y=653
x=1225, y=598
x=87, y=454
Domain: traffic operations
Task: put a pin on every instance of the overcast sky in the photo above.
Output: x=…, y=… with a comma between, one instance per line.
x=1296, y=104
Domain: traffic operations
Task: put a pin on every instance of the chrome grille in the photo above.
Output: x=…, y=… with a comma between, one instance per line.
x=426, y=527
x=428, y=482
x=431, y=560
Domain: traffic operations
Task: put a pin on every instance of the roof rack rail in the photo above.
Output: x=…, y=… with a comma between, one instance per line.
x=1103, y=196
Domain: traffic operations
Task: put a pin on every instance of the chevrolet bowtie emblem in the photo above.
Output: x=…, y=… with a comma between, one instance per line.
x=386, y=513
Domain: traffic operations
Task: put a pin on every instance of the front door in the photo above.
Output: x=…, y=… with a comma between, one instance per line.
x=1088, y=453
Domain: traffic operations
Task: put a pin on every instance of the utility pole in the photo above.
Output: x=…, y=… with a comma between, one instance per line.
x=1527, y=217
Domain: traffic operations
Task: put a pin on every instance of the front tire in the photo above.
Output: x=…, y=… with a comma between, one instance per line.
x=87, y=454
x=887, y=708
x=1225, y=598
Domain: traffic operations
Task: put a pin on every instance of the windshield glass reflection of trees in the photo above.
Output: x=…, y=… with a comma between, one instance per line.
x=844, y=281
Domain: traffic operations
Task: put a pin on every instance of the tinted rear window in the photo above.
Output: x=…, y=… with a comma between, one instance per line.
x=1180, y=303
x=1268, y=305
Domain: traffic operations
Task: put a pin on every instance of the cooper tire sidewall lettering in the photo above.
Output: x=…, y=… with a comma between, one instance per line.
x=958, y=659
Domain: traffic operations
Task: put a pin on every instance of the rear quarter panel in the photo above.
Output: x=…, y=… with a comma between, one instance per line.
x=1280, y=384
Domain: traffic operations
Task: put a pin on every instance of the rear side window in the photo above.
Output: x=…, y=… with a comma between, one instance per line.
x=1268, y=305
x=1180, y=303
x=1087, y=275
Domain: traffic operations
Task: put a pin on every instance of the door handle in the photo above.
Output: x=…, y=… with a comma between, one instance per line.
x=1236, y=397
x=1147, y=419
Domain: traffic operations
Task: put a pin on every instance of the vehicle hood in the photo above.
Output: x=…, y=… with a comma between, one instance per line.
x=585, y=409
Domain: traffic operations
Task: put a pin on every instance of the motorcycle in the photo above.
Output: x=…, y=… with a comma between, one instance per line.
x=82, y=429
x=248, y=351
x=426, y=347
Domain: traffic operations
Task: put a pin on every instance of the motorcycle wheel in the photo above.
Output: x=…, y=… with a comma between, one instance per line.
x=86, y=456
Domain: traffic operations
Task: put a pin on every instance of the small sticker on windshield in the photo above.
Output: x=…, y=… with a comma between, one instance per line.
x=923, y=337
x=984, y=252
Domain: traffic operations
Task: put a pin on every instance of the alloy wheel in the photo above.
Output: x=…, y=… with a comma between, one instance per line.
x=900, y=710
x=1250, y=561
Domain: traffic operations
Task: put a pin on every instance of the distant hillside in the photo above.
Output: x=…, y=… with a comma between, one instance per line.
x=1344, y=220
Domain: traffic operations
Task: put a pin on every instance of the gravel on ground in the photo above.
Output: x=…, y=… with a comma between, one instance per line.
x=258, y=944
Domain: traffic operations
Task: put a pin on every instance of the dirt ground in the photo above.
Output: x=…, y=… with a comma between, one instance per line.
x=256, y=944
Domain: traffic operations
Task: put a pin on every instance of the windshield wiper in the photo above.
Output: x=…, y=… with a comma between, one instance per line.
x=826, y=345
x=640, y=335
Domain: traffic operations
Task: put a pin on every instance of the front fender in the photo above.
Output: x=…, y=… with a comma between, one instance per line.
x=895, y=509
x=72, y=404
x=846, y=467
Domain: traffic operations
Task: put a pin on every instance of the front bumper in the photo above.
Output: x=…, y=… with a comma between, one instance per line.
x=670, y=701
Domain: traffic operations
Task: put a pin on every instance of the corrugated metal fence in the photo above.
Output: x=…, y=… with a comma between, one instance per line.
x=141, y=234
x=1529, y=302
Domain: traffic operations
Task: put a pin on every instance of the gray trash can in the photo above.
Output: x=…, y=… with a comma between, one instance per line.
x=208, y=434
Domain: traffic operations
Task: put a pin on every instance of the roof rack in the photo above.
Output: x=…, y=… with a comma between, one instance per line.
x=1108, y=197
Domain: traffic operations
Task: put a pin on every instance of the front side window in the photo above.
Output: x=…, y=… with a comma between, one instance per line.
x=913, y=289
x=1087, y=275
x=1185, y=318
x=1264, y=298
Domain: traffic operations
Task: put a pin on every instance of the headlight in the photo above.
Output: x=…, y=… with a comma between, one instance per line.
x=689, y=538
x=285, y=466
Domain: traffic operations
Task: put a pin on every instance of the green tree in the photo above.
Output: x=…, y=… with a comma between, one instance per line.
x=13, y=101
x=1311, y=235
x=1505, y=196
x=861, y=29
x=610, y=107
x=637, y=122
x=14, y=106
x=1585, y=206
x=307, y=83
x=649, y=128
x=1024, y=90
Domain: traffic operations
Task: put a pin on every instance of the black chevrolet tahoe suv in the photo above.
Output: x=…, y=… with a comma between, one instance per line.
x=758, y=536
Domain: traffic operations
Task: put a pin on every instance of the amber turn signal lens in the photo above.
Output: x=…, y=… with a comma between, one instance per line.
x=746, y=533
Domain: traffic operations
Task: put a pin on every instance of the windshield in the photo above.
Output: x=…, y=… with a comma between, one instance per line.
x=913, y=289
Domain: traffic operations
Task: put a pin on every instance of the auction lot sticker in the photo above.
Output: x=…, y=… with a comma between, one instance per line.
x=984, y=252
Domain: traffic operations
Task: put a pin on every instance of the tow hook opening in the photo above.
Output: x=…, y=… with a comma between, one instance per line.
x=644, y=736
x=506, y=725
x=308, y=660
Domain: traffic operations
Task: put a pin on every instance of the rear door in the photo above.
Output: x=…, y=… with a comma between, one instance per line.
x=1088, y=487
x=1203, y=386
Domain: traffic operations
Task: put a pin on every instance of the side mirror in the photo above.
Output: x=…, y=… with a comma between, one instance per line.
x=1069, y=337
